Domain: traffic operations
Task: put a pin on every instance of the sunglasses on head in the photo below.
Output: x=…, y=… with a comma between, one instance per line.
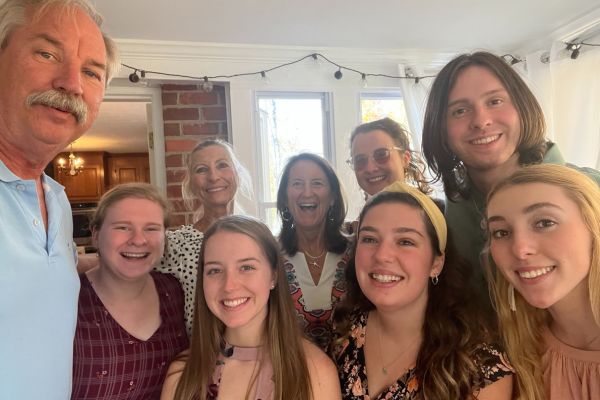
x=381, y=156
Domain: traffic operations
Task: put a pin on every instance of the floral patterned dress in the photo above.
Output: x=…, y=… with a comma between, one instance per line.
x=314, y=302
x=349, y=357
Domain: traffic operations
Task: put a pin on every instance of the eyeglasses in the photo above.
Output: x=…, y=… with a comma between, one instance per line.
x=380, y=156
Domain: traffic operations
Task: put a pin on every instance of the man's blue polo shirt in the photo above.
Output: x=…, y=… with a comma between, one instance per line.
x=38, y=291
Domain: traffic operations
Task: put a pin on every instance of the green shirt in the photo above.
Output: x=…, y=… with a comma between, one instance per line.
x=466, y=221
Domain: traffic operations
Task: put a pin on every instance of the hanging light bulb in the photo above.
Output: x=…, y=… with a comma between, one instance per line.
x=265, y=77
x=575, y=48
x=364, y=81
x=134, y=77
x=207, y=85
x=338, y=74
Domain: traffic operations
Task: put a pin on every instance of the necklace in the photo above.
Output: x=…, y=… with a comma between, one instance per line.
x=384, y=366
x=314, y=259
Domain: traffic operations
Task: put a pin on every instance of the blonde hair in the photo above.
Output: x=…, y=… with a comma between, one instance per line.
x=124, y=191
x=521, y=330
x=283, y=339
x=242, y=177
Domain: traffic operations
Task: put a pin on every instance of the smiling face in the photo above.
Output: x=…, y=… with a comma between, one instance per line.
x=60, y=52
x=482, y=121
x=213, y=176
x=540, y=242
x=237, y=281
x=377, y=175
x=131, y=240
x=394, y=257
x=308, y=195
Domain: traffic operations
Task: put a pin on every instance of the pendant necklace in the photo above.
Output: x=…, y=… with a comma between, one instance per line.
x=314, y=259
x=384, y=366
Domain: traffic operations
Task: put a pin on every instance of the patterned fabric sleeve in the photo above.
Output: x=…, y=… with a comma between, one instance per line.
x=493, y=364
x=181, y=261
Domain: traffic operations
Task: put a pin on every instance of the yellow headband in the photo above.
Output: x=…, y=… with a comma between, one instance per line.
x=431, y=209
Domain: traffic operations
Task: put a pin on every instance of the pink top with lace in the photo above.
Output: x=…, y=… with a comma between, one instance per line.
x=570, y=373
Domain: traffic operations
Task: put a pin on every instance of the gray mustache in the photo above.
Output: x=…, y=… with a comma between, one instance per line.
x=62, y=101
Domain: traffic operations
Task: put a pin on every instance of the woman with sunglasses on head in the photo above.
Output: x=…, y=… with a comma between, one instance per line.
x=312, y=210
x=246, y=343
x=381, y=155
x=544, y=242
x=406, y=328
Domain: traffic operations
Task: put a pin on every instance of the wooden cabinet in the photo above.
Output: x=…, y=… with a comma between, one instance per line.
x=101, y=171
x=90, y=183
x=124, y=168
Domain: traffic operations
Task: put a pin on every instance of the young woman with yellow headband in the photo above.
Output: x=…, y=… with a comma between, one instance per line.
x=407, y=329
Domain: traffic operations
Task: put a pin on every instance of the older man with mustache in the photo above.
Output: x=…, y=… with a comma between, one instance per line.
x=54, y=66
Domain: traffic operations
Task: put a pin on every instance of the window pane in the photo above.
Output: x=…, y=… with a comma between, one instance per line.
x=289, y=124
x=374, y=106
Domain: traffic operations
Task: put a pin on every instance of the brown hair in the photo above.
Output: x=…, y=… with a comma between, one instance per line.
x=334, y=240
x=401, y=137
x=452, y=329
x=124, y=191
x=283, y=339
x=521, y=330
x=439, y=157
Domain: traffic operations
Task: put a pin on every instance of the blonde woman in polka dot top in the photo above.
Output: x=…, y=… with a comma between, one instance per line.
x=213, y=178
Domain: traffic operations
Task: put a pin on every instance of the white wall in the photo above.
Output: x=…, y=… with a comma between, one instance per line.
x=210, y=60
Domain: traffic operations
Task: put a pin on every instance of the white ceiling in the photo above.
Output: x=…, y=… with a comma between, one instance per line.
x=425, y=24
x=119, y=128
x=438, y=25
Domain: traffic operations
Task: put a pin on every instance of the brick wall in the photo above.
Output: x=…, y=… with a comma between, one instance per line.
x=190, y=115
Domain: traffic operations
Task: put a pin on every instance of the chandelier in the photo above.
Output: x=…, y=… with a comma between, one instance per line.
x=72, y=166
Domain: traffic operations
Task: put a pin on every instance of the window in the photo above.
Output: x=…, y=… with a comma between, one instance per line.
x=288, y=123
x=375, y=106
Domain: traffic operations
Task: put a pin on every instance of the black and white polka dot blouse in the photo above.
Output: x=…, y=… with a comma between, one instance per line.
x=181, y=260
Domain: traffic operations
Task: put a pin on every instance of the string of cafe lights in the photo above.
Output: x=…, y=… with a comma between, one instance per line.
x=573, y=47
x=207, y=84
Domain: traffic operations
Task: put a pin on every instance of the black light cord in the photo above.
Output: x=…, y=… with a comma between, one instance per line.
x=262, y=73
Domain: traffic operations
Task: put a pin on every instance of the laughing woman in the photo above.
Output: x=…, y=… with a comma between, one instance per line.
x=213, y=177
x=406, y=328
x=246, y=343
x=312, y=210
x=544, y=225
x=130, y=320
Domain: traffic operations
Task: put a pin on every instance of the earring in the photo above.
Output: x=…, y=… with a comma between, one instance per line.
x=435, y=280
x=459, y=171
x=511, y=298
x=330, y=214
x=286, y=215
x=272, y=285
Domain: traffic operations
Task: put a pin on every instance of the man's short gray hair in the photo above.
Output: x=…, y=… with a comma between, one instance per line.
x=12, y=15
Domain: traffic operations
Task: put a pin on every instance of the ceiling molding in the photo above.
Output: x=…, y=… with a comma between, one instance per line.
x=138, y=52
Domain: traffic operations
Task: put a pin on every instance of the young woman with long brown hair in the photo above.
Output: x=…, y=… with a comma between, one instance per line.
x=246, y=341
x=407, y=328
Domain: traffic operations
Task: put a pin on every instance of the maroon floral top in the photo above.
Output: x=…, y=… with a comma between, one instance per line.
x=349, y=357
x=109, y=363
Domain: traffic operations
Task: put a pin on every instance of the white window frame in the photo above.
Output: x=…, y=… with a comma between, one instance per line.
x=261, y=149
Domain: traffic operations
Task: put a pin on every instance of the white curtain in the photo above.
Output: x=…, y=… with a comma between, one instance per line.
x=415, y=101
x=569, y=92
